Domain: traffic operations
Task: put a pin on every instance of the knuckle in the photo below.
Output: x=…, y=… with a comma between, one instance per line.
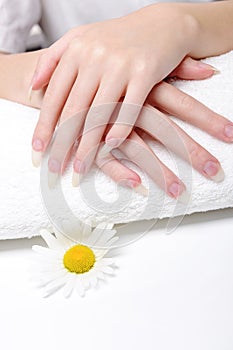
x=186, y=102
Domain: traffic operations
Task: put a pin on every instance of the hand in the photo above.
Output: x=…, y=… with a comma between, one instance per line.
x=99, y=64
x=175, y=102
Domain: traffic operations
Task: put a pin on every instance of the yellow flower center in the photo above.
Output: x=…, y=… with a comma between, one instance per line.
x=79, y=259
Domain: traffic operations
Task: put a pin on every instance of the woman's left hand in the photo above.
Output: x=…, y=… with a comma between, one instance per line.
x=97, y=64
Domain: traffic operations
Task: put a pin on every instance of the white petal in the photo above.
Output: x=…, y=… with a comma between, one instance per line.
x=53, y=286
x=86, y=230
x=96, y=233
x=64, y=240
x=111, y=241
x=51, y=241
x=104, y=238
x=69, y=287
x=108, y=270
x=79, y=287
x=105, y=225
x=106, y=262
x=46, y=251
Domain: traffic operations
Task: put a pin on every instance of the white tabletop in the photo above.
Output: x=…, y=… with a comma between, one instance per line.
x=170, y=292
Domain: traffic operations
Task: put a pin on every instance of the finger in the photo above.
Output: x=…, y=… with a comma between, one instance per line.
x=54, y=99
x=96, y=122
x=139, y=152
x=177, y=103
x=50, y=58
x=71, y=123
x=134, y=99
x=179, y=142
x=193, y=69
x=119, y=173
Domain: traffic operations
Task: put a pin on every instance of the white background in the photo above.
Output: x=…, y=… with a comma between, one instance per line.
x=170, y=292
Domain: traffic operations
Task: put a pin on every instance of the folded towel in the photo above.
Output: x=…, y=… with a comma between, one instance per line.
x=21, y=208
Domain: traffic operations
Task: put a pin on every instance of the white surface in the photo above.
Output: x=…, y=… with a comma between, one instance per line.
x=22, y=213
x=170, y=292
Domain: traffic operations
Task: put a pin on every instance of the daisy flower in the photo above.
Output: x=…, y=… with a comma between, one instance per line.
x=71, y=265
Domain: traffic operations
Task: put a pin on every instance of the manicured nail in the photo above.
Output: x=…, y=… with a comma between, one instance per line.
x=34, y=78
x=113, y=143
x=54, y=165
x=79, y=167
x=36, y=158
x=136, y=187
x=228, y=131
x=52, y=179
x=30, y=93
x=37, y=147
x=76, y=178
x=54, y=168
x=208, y=66
x=176, y=190
x=105, y=150
x=212, y=170
x=216, y=71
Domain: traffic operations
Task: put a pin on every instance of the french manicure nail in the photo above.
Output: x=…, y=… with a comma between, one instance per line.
x=136, y=187
x=141, y=189
x=212, y=170
x=79, y=167
x=216, y=71
x=37, y=148
x=228, y=131
x=208, y=66
x=76, y=178
x=36, y=158
x=30, y=93
x=175, y=189
x=52, y=179
x=113, y=143
x=54, y=165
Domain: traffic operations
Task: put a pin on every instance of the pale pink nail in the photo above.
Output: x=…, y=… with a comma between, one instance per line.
x=175, y=189
x=228, y=131
x=114, y=143
x=54, y=165
x=37, y=145
x=136, y=186
x=79, y=167
x=214, y=171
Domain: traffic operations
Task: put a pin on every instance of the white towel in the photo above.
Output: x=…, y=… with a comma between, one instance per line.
x=22, y=213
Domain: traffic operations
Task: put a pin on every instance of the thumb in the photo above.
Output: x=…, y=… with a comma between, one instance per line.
x=191, y=69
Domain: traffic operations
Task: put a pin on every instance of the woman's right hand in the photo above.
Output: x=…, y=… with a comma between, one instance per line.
x=160, y=126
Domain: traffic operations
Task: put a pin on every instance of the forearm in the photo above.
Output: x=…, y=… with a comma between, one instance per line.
x=214, y=28
x=15, y=75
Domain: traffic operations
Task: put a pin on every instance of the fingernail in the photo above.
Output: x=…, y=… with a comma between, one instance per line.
x=136, y=187
x=54, y=165
x=112, y=142
x=54, y=168
x=105, y=150
x=34, y=78
x=208, y=66
x=36, y=158
x=176, y=189
x=212, y=170
x=37, y=147
x=52, y=179
x=79, y=167
x=228, y=131
x=30, y=93
x=76, y=178
x=216, y=71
